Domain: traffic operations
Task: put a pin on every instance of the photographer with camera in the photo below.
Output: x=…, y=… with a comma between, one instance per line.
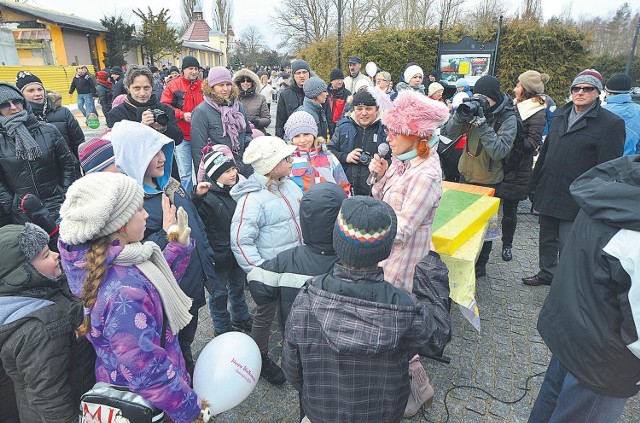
x=143, y=106
x=356, y=141
x=490, y=123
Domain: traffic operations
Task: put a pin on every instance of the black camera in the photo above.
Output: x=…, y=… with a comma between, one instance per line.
x=160, y=117
x=471, y=105
x=365, y=158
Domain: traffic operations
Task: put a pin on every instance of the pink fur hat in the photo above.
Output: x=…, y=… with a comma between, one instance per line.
x=415, y=114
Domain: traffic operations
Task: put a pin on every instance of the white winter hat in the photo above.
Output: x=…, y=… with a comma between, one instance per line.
x=97, y=205
x=264, y=153
x=412, y=71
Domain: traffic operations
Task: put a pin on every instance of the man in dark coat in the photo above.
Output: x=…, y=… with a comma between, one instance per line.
x=337, y=99
x=292, y=97
x=86, y=87
x=590, y=319
x=583, y=135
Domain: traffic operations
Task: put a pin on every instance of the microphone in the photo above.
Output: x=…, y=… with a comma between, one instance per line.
x=383, y=150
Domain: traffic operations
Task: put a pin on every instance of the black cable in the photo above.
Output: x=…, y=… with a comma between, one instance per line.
x=446, y=395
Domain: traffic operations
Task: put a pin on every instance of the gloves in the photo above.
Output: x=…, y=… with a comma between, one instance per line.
x=38, y=214
x=479, y=119
x=205, y=413
x=181, y=231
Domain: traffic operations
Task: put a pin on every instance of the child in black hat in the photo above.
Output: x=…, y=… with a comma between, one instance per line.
x=350, y=328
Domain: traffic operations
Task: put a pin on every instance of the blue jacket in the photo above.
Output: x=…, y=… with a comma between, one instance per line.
x=627, y=110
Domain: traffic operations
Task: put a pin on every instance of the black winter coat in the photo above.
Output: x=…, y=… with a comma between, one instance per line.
x=83, y=84
x=290, y=99
x=566, y=154
x=62, y=118
x=515, y=185
x=47, y=177
x=285, y=274
x=105, y=97
x=349, y=136
x=118, y=87
x=216, y=210
x=49, y=368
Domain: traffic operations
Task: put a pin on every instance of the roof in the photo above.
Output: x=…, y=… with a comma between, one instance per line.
x=197, y=46
x=216, y=33
x=198, y=31
x=54, y=17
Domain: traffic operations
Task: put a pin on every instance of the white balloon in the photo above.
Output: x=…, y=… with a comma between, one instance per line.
x=371, y=69
x=227, y=370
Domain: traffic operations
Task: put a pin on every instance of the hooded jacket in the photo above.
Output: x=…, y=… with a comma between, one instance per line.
x=255, y=104
x=184, y=96
x=104, y=89
x=590, y=320
x=350, y=335
x=349, y=136
x=126, y=330
x=481, y=161
x=623, y=106
x=47, y=177
x=336, y=101
x=133, y=158
x=59, y=116
x=595, y=138
x=266, y=222
x=284, y=275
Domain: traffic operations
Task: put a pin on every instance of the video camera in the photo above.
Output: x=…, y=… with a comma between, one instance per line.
x=472, y=105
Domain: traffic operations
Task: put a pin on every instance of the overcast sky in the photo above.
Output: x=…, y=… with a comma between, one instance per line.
x=259, y=12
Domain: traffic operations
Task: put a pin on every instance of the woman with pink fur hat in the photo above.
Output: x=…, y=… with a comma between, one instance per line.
x=412, y=186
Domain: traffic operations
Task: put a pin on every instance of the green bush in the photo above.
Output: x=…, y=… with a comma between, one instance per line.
x=556, y=49
x=609, y=66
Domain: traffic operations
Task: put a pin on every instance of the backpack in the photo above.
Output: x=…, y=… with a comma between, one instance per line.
x=516, y=155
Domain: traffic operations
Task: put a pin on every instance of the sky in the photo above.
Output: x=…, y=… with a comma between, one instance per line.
x=259, y=12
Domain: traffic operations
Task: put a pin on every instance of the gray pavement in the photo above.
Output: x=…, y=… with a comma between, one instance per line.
x=498, y=359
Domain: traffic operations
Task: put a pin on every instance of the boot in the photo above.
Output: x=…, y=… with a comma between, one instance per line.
x=506, y=253
x=421, y=390
x=271, y=371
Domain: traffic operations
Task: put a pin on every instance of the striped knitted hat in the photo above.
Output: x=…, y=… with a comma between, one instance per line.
x=364, y=231
x=95, y=155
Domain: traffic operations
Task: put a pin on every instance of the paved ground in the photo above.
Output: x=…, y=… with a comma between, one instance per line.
x=498, y=359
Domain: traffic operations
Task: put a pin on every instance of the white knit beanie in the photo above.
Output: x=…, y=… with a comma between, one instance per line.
x=264, y=153
x=412, y=71
x=97, y=205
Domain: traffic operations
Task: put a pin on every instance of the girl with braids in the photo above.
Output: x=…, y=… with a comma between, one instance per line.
x=133, y=306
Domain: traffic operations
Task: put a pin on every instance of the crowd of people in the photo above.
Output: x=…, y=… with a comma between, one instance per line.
x=111, y=246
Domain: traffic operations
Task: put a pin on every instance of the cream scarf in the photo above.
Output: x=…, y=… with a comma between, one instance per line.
x=149, y=259
x=528, y=108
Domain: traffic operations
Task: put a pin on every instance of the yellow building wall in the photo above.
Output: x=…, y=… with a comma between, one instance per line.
x=57, y=43
x=54, y=78
x=102, y=48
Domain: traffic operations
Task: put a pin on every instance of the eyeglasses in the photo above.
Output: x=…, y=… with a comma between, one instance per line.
x=585, y=89
x=288, y=159
x=7, y=104
x=246, y=80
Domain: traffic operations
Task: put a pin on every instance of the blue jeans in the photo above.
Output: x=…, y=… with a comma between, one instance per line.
x=563, y=398
x=185, y=165
x=230, y=285
x=86, y=105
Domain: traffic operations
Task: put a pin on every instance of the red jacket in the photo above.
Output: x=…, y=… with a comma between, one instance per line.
x=183, y=95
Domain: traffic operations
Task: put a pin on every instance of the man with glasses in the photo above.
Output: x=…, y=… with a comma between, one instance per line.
x=582, y=136
x=292, y=97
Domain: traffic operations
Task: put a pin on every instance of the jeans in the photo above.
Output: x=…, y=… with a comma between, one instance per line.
x=563, y=398
x=509, y=221
x=185, y=165
x=86, y=104
x=553, y=234
x=230, y=286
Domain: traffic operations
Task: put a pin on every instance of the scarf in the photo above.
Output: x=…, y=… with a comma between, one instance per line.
x=233, y=121
x=26, y=146
x=40, y=110
x=528, y=108
x=149, y=260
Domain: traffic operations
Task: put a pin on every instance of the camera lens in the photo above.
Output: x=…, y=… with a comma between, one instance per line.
x=365, y=159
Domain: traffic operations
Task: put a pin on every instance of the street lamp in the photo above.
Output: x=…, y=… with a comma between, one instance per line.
x=339, y=30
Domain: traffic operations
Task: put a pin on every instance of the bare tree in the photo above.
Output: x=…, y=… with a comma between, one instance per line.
x=304, y=22
x=486, y=13
x=250, y=45
x=450, y=11
x=531, y=10
x=222, y=15
x=186, y=12
x=384, y=13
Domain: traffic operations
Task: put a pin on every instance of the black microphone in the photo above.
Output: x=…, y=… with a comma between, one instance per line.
x=383, y=150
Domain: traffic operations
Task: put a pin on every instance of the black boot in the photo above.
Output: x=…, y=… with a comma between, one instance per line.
x=506, y=253
x=271, y=371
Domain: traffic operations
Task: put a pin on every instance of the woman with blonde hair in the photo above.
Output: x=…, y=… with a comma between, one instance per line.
x=133, y=306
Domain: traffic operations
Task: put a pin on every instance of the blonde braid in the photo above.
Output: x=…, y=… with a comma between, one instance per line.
x=96, y=269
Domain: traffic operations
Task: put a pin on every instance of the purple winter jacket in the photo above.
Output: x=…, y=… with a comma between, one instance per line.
x=126, y=323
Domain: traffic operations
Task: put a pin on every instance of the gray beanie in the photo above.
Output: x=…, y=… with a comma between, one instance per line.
x=9, y=92
x=313, y=87
x=296, y=65
x=364, y=231
x=97, y=205
x=32, y=240
x=589, y=76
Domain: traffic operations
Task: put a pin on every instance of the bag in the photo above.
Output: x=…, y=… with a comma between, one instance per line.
x=447, y=145
x=106, y=403
x=516, y=155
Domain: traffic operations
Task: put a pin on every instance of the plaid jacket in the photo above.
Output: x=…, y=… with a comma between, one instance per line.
x=349, y=354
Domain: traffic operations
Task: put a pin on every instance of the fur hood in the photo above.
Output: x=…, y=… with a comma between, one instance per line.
x=246, y=72
x=55, y=100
